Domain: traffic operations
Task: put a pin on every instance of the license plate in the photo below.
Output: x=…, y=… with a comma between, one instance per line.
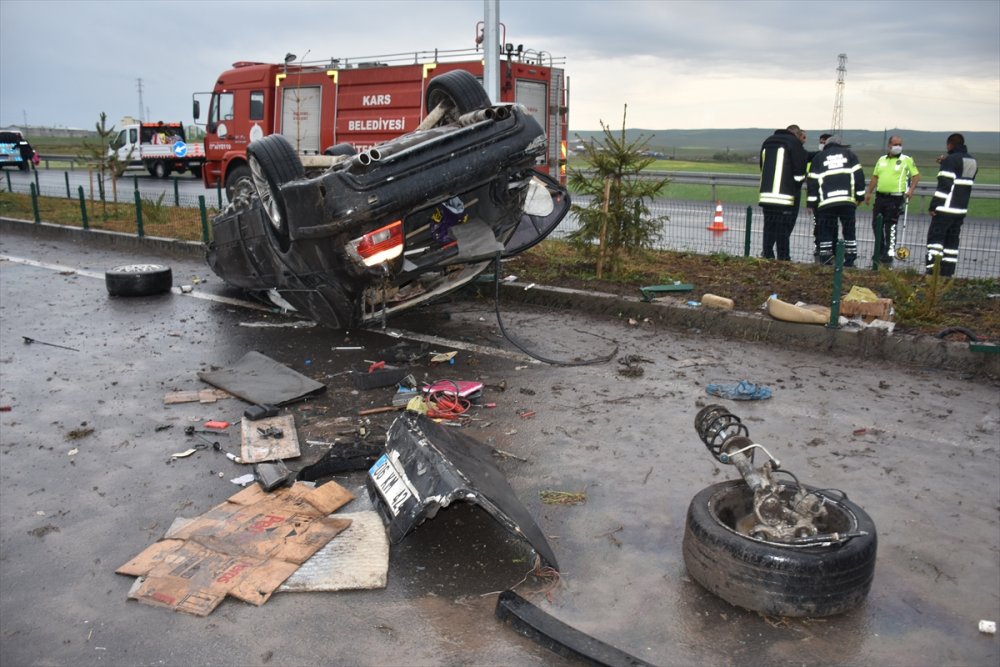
x=391, y=484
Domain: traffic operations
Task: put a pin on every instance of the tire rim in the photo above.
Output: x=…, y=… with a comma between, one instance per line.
x=728, y=506
x=263, y=188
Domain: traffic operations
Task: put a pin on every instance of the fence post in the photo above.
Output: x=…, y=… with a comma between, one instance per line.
x=68, y=193
x=135, y=183
x=9, y=187
x=177, y=195
x=746, y=236
x=37, y=186
x=83, y=208
x=138, y=214
x=34, y=202
x=204, y=219
x=878, y=242
x=838, y=277
x=218, y=190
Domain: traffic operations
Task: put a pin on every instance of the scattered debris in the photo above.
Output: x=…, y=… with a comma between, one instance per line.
x=298, y=324
x=29, y=341
x=210, y=395
x=79, y=433
x=357, y=455
x=799, y=312
x=427, y=466
x=269, y=439
x=272, y=475
x=245, y=547
x=357, y=560
x=259, y=379
x=717, y=302
x=73, y=452
x=444, y=357
x=255, y=412
x=677, y=286
x=986, y=627
x=631, y=367
x=244, y=480
x=550, y=497
x=744, y=390
x=556, y=636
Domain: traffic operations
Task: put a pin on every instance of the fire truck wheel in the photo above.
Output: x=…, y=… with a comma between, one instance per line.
x=138, y=280
x=340, y=149
x=771, y=578
x=195, y=170
x=161, y=169
x=460, y=91
x=239, y=181
x=274, y=162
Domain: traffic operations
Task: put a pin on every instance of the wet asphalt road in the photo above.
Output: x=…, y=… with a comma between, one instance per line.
x=918, y=448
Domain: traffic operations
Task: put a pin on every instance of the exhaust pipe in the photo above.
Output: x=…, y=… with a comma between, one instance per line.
x=366, y=158
x=476, y=117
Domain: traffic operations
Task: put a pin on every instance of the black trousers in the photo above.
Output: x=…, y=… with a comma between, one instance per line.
x=942, y=241
x=889, y=207
x=829, y=217
x=779, y=221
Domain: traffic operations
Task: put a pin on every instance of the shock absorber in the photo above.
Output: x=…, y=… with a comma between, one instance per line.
x=728, y=440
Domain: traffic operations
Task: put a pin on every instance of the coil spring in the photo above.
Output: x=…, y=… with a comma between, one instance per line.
x=715, y=426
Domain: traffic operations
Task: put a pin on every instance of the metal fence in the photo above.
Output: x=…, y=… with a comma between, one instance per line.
x=688, y=229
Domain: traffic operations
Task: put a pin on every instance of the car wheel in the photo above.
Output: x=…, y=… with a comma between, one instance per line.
x=239, y=183
x=274, y=162
x=772, y=578
x=138, y=280
x=161, y=169
x=459, y=91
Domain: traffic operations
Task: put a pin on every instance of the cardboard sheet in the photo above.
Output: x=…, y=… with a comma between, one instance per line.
x=256, y=447
x=245, y=547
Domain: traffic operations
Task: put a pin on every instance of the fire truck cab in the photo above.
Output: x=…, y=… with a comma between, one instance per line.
x=340, y=105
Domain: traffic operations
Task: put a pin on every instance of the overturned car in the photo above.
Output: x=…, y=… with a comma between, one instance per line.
x=371, y=233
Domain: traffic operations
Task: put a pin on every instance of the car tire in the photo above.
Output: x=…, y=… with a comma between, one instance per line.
x=161, y=169
x=771, y=578
x=274, y=162
x=138, y=280
x=459, y=90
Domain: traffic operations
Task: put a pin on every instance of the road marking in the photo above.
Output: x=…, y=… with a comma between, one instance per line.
x=395, y=333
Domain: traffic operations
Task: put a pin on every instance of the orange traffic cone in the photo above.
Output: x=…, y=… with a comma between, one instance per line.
x=717, y=224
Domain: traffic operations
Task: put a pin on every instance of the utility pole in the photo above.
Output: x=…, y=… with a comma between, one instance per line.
x=837, y=124
x=141, y=117
x=491, y=49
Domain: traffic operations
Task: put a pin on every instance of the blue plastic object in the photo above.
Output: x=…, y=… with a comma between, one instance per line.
x=744, y=390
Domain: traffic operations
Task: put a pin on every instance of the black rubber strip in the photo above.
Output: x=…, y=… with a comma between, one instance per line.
x=561, y=639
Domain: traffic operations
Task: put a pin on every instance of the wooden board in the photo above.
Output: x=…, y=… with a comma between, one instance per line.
x=256, y=448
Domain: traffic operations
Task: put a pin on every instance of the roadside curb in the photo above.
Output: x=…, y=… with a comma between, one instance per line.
x=922, y=350
x=918, y=350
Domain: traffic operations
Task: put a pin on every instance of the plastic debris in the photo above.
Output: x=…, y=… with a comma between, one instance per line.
x=744, y=390
x=988, y=627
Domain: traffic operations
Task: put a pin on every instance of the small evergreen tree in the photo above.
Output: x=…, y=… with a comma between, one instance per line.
x=617, y=222
x=99, y=153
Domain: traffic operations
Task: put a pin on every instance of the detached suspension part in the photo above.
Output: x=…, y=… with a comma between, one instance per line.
x=780, y=513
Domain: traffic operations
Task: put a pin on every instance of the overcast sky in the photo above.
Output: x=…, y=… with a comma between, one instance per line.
x=919, y=65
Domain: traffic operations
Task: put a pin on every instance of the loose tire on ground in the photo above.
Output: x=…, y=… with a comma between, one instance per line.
x=459, y=90
x=774, y=579
x=274, y=162
x=138, y=280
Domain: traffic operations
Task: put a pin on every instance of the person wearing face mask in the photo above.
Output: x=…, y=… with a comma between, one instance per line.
x=893, y=181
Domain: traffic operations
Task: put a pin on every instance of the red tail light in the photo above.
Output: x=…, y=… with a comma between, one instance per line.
x=380, y=245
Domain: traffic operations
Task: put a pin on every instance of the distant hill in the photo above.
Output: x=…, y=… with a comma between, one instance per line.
x=749, y=139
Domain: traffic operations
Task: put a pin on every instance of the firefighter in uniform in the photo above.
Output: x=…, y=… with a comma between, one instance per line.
x=783, y=161
x=949, y=205
x=894, y=179
x=836, y=185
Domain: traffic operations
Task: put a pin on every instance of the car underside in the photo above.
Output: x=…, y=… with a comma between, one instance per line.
x=383, y=230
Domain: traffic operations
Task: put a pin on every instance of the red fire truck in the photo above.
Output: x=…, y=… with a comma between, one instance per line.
x=318, y=105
